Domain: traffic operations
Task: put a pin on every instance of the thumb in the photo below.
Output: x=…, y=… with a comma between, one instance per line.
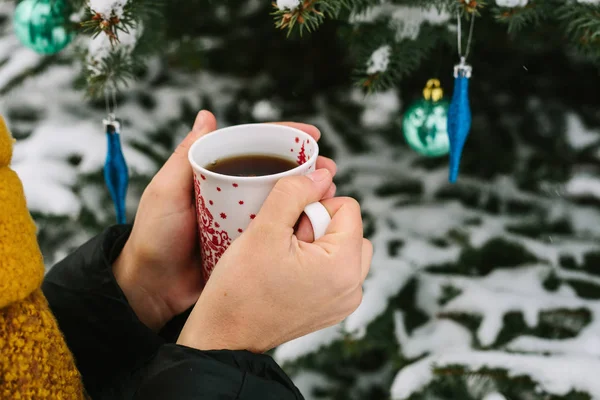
x=176, y=174
x=291, y=195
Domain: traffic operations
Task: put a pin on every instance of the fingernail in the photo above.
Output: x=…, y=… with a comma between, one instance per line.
x=200, y=120
x=318, y=175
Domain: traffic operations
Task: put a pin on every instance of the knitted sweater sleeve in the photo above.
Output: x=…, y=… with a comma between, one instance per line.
x=35, y=362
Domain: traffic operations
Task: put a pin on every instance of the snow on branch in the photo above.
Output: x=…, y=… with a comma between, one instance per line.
x=379, y=61
x=557, y=375
x=108, y=8
x=405, y=21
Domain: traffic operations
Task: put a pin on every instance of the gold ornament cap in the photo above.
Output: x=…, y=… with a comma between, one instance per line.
x=433, y=90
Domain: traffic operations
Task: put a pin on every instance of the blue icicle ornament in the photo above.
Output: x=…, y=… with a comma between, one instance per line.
x=459, y=117
x=116, y=174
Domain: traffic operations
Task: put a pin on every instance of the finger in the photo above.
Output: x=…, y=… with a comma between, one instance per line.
x=291, y=195
x=346, y=222
x=304, y=231
x=176, y=175
x=306, y=128
x=327, y=163
x=330, y=192
x=367, y=257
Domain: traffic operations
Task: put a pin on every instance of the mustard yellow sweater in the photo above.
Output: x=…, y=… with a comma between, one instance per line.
x=35, y=362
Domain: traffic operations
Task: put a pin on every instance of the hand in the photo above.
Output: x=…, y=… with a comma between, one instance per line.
x=159, y=269
x=270, y=286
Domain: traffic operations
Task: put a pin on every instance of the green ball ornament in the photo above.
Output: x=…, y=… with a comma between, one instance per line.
x=425, y=123
x=42, y=25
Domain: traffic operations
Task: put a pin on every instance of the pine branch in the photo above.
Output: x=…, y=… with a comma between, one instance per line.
x=519, y=17
x=582, y=25
x=133, y=13
x=472, y=7
x=120, y=65
x=460, y=382
x=310, y=14
x=115, y=70
x=405, y=56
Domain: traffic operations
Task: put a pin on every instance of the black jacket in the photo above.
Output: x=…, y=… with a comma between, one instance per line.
x=120, y=358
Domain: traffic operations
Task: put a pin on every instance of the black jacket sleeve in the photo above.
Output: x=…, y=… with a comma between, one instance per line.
x=182, y=373
x=120, y=358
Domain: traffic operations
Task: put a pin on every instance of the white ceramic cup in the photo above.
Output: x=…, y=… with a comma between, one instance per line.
x=226, y=205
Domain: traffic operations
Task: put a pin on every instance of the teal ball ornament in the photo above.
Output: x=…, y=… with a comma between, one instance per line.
x=43, y=25
x=425, y=123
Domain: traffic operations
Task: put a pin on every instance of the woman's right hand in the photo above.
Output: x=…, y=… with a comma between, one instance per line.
x=271, y=287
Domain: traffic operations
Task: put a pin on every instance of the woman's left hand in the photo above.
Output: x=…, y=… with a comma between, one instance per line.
x=159, y=269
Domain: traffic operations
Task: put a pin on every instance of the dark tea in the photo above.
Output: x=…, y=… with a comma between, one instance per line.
x=252, y=165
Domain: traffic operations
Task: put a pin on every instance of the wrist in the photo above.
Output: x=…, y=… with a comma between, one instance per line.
x=206, y=331
x=148, y=307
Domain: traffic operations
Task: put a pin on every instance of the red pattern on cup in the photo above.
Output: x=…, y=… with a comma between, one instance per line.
x=213, y=242
x=302, y=155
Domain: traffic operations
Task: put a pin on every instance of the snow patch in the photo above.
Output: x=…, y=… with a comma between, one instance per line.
x=22, y=60
x=379, y=61
x=511, y=3
x=308, y=381
x=504, y=291
x=578, y=136
x=436, y=336
x=310, y=343
x=405, y=20
x=494, y=396
x=583, y=185
x=288, y=4
x=380, y=109
x=386, y=278
x=557, y=375
x=264, y=110
x=108, y=8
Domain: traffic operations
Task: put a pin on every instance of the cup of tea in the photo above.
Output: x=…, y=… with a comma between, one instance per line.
x=235, y=169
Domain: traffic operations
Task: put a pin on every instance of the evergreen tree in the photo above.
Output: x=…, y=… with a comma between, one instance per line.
x=485, y=289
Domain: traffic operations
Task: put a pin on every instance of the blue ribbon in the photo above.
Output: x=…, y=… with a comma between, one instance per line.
x=459, y=118
x=116, y=174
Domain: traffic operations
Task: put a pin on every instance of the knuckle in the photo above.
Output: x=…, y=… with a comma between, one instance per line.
x=352, y=204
